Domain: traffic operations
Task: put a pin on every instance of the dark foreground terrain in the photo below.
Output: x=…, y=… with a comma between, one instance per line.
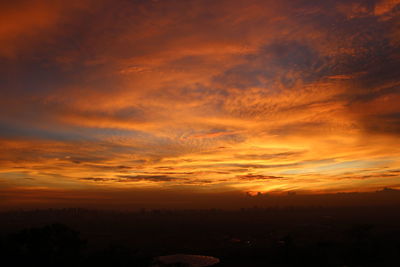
x=248, y=237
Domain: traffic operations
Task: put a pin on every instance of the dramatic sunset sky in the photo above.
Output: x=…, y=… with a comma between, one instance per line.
x=197, y=97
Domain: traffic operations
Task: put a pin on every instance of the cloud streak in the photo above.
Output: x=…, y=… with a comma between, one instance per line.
x=215, y=95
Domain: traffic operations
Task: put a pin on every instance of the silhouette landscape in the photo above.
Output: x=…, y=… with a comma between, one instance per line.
x=200, y=133
x=284, y=233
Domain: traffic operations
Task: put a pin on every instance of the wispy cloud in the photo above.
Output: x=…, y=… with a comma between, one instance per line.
x=217, y=95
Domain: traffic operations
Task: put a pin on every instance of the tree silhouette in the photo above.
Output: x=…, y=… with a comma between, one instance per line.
x=51, y=245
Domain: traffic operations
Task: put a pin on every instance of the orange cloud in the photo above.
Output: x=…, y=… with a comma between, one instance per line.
x=214, y=96
x=32, y=21
x=385, y=6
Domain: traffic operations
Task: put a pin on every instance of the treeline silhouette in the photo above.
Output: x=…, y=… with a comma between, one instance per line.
x=249, y=237
x=59, y=245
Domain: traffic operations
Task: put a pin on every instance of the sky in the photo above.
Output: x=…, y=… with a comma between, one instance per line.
x=142, y=97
